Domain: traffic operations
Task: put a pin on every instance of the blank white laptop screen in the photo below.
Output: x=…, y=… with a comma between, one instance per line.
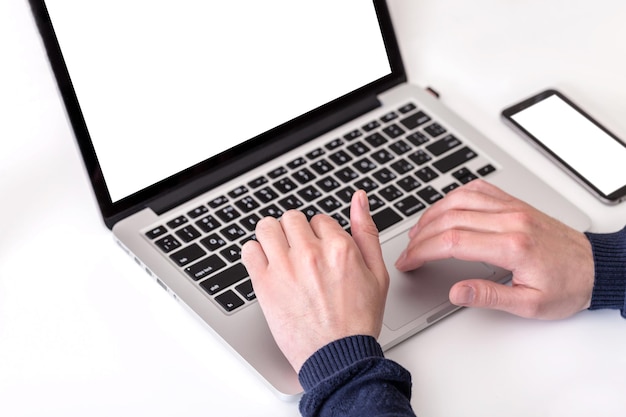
x=165, y=85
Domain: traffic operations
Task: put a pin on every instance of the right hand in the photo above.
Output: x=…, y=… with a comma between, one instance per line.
x=552, y=264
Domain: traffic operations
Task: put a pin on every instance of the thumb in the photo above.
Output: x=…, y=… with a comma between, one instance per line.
x=365, y=233
x=488, y=294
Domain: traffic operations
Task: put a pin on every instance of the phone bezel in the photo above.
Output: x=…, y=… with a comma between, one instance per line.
x=507, y=115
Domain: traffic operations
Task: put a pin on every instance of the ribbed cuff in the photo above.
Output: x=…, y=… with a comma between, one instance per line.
x=609, y=255
x=336, y=356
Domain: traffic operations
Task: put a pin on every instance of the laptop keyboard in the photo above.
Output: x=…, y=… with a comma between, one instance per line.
x=395, y=158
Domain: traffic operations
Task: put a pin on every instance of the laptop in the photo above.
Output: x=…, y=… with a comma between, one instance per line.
x=195, y=119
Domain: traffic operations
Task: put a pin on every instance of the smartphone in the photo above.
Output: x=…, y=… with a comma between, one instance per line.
x=575, y=141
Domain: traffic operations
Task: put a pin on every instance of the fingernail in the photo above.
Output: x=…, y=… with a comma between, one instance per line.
x=464, y=295
x=401, y=258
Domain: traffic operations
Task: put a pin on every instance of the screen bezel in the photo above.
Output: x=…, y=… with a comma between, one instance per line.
x=192, y=181
x=509, y=113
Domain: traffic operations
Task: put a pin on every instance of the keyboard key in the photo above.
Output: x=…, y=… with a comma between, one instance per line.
x=443, y=145
x=340, y=157
x=358, y=148
x=257, y=182
x=309, y=193
x=265, y=195
x=224, y=279
x=187, y=255
x=407, y=108
x=285, y=185
x=429, y=194
x=464, y=175
x=400, y=147
x=402, y=166
x=271, y=211
x=389, y=117
x=316, y=153
x=233, y=232
x=247, y=204
x=450, y=187
x=303, y=176
x=426, y=174
x=249, y=222
x=290, y=202
x=408, y=183
x=178, y=221
x=229, y=300
x=197, y=212
x=188, y=233
x=486, y=170
x=277, y=172
x=322, y=166
x=390, y=193
x=156, y=232
x=366, y=184
x=374, y=202
x=420, y=157
x=384, y=175
x=417, y=138
x=227, y=214
x=218, y=201
x=329, y=204
x=393, y=131
x=310, y=212
x=345, y=194
x=352, y=135
x=455, y=159
x=208, y=223
x=415, y=120
x=371, y=126
x=435, y=130
x=376, y=139
x=213, y=242
x=364, y=165
x=239, y=191
x=168, y=243
x=335, y=143
x=382, y=156
x=296, y=163
x=346, y=174
x=328, y=184
x=231, y=253
x=409, y=206
x=205, y=267
x=246, y=290
x=386, y=218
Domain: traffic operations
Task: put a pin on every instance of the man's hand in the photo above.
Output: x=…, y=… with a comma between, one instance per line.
x=316, y=283
x=552, y=264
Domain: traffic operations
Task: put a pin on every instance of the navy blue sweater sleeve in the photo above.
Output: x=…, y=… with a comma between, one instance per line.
x=609, y=256
x=351, y=377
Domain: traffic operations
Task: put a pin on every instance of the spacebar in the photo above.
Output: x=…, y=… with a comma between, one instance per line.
x=386, y=218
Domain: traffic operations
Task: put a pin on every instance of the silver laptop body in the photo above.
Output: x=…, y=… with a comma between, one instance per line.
x=185, y=228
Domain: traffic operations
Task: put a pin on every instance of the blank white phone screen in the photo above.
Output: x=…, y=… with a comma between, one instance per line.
x=576, y=140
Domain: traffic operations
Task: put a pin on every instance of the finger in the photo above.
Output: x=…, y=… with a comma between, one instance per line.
x=271, y=238
x=477, y=195
x=494, y=248
x=253, y=258
x=480, y=293
x=325, y=226
x=296, y=228
x=365, y=234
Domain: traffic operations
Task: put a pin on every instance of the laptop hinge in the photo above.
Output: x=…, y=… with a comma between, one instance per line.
x=259, y=154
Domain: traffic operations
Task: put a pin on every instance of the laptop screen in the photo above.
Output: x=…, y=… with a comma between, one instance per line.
x=164, y=86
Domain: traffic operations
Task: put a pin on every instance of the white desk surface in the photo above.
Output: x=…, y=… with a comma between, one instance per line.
x=83, y=331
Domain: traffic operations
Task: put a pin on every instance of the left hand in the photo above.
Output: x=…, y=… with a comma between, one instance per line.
x=315, y=283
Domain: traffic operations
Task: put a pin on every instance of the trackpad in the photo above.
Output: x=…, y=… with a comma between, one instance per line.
x=425, y=290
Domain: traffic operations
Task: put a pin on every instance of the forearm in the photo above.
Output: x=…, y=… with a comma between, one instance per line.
x=609, y=255
x=351, y=377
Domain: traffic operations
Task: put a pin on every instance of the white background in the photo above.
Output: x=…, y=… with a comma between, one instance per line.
x=99, y=338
